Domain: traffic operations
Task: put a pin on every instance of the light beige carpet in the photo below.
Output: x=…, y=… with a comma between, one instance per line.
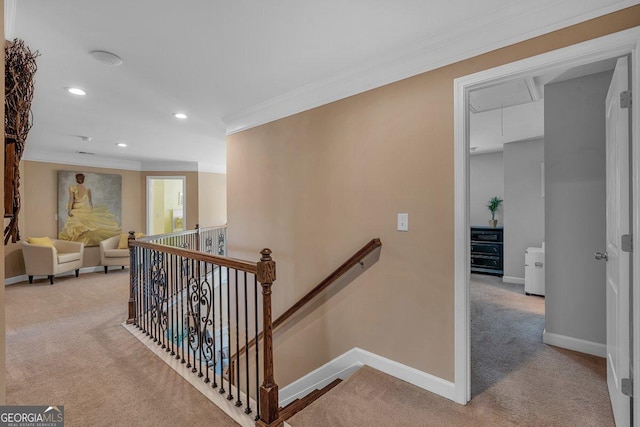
x=66, y=346
x=517, y=380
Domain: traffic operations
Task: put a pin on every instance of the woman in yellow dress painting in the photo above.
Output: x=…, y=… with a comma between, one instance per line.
x=85, y=223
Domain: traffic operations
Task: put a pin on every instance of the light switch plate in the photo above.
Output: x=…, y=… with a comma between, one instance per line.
x=403, y=222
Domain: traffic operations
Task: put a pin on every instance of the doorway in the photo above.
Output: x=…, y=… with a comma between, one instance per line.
x=507, y=317
x=619, y=44
x=165, y=204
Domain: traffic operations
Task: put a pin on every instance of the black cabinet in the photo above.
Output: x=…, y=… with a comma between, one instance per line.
x=487, y=250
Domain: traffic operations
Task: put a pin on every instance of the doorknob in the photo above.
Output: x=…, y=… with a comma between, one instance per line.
x=600, y=255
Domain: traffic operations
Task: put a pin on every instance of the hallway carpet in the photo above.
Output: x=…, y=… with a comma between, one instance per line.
x=516, y=379
x=66, y=346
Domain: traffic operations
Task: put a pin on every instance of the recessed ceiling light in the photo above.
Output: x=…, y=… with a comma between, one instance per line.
x=121, y=144
x=76, y=91
x=106, y=58
x=180, y=116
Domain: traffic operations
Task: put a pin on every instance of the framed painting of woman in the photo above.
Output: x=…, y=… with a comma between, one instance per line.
x=89, y=206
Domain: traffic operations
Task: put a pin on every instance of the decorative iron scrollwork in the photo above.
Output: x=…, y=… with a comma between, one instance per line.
x=221, y=244
x=193, y=315
x=206, y=302
x=199, y=319
x=159, y=289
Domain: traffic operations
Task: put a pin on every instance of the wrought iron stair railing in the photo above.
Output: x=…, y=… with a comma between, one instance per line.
x=212, y=240
x=200, y=307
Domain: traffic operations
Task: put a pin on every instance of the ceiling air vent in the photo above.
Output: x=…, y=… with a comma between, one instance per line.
x=86, y=152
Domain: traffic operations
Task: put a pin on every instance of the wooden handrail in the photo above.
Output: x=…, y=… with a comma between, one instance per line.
x=340, y=271
x=199, y=256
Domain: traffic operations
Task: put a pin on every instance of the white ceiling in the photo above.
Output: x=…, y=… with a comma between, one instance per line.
x=513, y=110
x=234, y=64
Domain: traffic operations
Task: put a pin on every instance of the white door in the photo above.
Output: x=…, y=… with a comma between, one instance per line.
x=618, y=261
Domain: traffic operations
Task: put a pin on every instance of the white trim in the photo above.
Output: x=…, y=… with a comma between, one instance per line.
x=462, y=252
x=220, y=400
x=169, y=166
x=468, y=40
x=635, y=219
x=212, y=168
x=575, y=344
x=341, y=367
x=97, y=161
x=514, y=280
x=76, y=159
x=344, y=365
x=616, y=44
x=25, y=278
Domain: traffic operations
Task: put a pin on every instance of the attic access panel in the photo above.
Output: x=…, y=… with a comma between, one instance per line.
x=506, y=94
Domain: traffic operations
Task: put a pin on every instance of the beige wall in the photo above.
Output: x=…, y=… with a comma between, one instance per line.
x=212, y=198
x=39, y=186
x=316, y=186
x=39, y=192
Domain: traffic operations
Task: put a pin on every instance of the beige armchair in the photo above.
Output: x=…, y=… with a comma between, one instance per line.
x=111, y=255
x=48, y=261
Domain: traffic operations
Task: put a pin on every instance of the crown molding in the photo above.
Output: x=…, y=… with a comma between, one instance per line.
x=212, y=168
x=471, y=39
x=162, y=166
x=77, y=159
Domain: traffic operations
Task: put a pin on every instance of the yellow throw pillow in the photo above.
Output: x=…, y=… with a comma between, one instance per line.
x=40, y=241
x=124, y=241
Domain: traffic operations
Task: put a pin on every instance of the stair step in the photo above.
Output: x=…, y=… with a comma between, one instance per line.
x=299, y=404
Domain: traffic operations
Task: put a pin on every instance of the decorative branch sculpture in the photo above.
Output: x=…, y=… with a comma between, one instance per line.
x=20, y=68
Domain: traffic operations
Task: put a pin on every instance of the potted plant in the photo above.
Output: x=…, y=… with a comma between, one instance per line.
x=494, y=204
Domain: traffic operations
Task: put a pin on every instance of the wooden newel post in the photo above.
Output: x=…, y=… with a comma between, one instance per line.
x=197, y=237
x=266, y=274
x=132, y=265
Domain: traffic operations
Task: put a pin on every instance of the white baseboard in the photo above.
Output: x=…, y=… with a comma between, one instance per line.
x=575, y=344
x=514, y=280
x=346, y=364
x=25, y=278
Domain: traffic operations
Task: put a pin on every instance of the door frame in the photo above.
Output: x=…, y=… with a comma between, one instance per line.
x=184, y=195
x=622, y=43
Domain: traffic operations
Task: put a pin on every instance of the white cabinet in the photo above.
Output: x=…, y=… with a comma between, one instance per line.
x=534, y=271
